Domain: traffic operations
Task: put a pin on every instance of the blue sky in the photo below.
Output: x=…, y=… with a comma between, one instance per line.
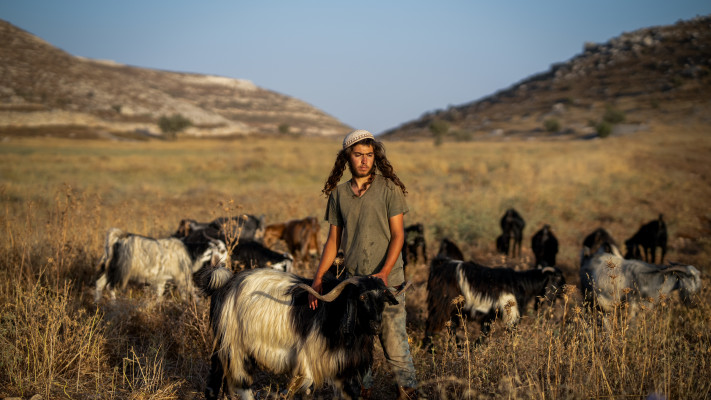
x=371, y=64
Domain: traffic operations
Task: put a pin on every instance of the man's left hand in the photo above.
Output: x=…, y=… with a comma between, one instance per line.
x=382, y=277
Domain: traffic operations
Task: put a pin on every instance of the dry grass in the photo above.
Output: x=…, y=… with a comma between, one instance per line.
x=58, y=197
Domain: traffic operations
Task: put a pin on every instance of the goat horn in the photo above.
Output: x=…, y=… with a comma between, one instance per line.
x=333, y=294
x=677, y=268
x=403, y=287
x=208, y=236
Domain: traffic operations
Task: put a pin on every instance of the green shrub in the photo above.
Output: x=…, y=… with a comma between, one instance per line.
x=284, y=128
x=439, y=128
x=604, y=129
x=551, y=125
x=170, y=126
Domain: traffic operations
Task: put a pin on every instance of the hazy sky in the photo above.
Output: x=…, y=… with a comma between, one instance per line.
x=371, y=64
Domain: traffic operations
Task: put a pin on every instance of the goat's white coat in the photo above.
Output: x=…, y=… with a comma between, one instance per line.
x=256, y=323
x=151, y=261
x=505, y=304
x=612, y=280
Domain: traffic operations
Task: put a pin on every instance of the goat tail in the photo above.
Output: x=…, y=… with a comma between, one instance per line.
x=210, y=278
x=113, y=235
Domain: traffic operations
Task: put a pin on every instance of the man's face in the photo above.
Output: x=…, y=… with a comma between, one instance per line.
x=362, y=160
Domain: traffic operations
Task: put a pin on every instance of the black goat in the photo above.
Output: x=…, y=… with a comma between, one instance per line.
x=512, y=225
x=545, y=247
x=414, y=243
x=649, y=236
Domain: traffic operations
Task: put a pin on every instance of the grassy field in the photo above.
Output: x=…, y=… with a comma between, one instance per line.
x=58, y=197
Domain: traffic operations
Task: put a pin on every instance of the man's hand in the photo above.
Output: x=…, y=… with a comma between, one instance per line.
x=313, y=301
x=383, y=277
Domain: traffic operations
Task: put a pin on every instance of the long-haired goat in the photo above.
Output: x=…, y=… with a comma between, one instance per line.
x=130, y=257
x=607, y=280
x=261, y=317
x=486, y=292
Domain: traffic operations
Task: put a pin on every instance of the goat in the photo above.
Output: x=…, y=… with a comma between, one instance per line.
x=261, y=317
x=649, y=236
x=130, y=257
x=251, y=254
x=300, y=236
x=486, y=293
x=545, y=247
x=607, y=279
x=414, y=244
x=241, y=227
x=447, y=249
x=512, y=225
x=594, y=241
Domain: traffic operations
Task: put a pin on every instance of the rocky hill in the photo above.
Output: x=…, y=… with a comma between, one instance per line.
x=652, y=75
x=44, y=90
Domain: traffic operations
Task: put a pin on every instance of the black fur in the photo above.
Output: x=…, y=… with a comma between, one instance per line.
x=649, y=236
x=545, y=247
x=512, y=225
x=448, y=249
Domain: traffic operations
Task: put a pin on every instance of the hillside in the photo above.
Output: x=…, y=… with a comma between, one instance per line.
x=45, y=90
x=652, y=75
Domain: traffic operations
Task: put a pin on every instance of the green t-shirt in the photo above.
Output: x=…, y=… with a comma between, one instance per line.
x=366, y=231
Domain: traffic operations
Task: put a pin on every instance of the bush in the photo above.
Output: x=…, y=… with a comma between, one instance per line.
x=603, y=129
x=284, y=129
x=551, y=125
x=170, y=126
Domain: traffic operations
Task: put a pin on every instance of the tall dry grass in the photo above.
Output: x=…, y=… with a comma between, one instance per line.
x=58, y=198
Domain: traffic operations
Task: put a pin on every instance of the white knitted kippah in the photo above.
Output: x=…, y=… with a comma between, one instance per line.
x=356, y=136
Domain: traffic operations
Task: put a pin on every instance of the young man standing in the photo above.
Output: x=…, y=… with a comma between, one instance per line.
x=366, y=222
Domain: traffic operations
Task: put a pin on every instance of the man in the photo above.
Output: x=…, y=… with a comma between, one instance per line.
x=366, y=222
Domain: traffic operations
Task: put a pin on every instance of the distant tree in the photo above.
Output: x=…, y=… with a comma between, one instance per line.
x=439, y=128
x=551, y=125
x=603, y=129
x=284, y=128
x=170, y=126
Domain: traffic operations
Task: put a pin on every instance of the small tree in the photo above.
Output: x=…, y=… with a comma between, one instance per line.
x=284, y=128
x=170, y=126
x=551, y=125
x=439, y=128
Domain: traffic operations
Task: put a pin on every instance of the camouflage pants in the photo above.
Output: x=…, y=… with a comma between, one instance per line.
x=393, y=339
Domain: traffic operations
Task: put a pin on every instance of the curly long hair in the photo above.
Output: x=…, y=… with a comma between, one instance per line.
x=381, y=164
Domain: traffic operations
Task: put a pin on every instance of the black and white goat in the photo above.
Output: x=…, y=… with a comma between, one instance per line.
x=512, y=224
x=261, y=317
x=130, y=257
x=608, y=280
x=649, y=236
x=487, y=292
x=545, y=247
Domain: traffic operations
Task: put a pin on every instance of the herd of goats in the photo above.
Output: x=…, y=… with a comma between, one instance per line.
x=259, y=312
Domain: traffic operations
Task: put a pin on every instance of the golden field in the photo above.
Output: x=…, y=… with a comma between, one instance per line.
x=59, y=197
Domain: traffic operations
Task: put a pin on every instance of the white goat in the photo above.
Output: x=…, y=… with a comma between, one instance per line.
x=608, y=279
x=130, y=257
